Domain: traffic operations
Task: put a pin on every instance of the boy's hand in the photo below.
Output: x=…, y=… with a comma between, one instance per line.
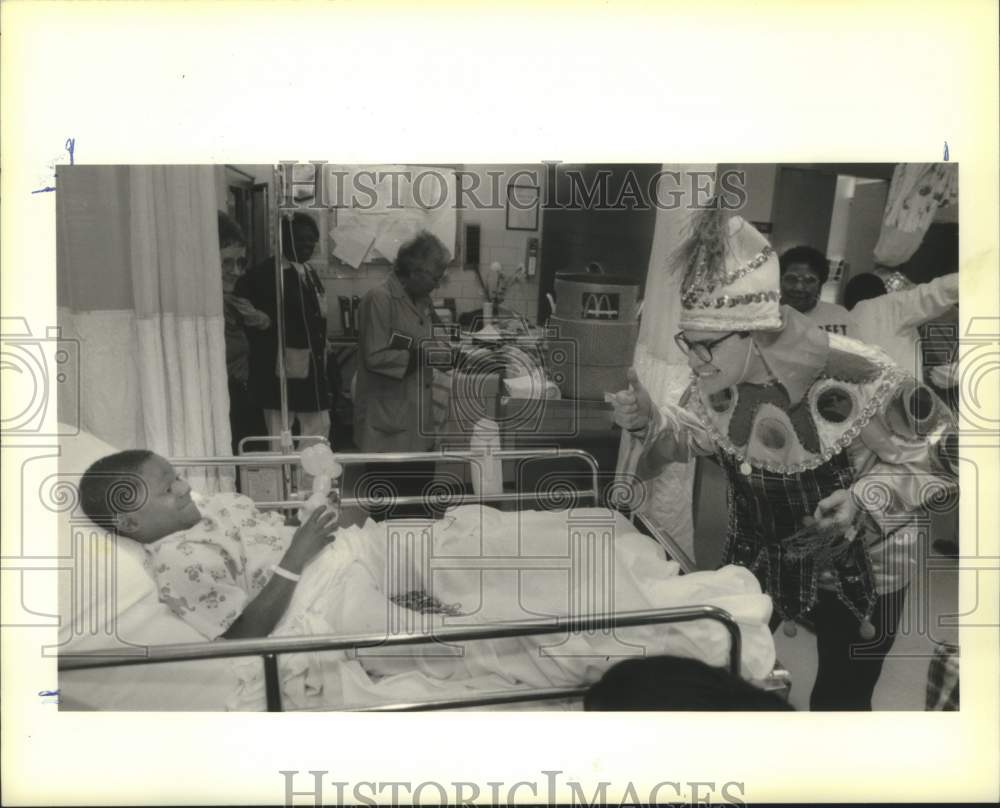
x=633, y=407
x=317, y=532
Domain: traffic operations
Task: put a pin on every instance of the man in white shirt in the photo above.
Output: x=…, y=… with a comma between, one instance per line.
x=804, y=270
x=890, y=321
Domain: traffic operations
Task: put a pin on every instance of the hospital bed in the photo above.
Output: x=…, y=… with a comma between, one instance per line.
x=270, y=649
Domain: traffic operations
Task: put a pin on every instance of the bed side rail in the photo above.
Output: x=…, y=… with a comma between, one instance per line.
x=470, y=456
x=270, y=648
x=666, y=541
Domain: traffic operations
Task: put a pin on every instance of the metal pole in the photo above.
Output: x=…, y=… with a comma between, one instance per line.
x=272, y=683
x=484, y=700
x=279, y=289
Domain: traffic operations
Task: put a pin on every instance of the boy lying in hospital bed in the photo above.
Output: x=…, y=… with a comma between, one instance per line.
x=232, y=571
x=220, y=564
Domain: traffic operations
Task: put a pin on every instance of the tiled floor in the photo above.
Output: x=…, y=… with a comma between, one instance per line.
x=932, y=597
x=904, y=678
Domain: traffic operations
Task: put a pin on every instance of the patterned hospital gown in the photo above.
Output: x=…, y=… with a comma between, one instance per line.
x=209, y=574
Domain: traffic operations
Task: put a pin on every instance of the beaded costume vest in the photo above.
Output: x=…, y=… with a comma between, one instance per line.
x=781, y=457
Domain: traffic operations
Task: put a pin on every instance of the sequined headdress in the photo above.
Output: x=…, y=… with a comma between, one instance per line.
x=731, y=276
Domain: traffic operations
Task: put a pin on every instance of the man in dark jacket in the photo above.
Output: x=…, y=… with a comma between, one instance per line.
x=305, y=333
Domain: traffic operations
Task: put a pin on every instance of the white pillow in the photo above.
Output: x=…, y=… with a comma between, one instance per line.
x=93, y=592
x=100, y=610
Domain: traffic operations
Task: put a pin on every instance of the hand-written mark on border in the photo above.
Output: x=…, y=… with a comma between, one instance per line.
x=70, y=147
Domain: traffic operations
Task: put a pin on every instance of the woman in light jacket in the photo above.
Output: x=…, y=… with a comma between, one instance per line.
x=397, y=351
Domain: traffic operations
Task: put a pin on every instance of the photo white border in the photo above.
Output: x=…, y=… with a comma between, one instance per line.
x=513, y=82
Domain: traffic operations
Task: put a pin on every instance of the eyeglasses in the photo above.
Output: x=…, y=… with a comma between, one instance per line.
x=234, y=264
x=807, y=280
x=703, y=349
x=437, y=277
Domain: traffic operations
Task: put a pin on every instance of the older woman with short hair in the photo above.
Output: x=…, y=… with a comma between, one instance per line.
x=392, y=411
x=398, y=352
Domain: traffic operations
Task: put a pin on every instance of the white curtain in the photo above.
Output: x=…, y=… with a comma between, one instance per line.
x=662, y=368
x=140, y=288
x=916, y=193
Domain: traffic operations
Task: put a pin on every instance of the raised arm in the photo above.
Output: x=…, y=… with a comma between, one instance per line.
x=262, y=614
x=668, y=434
x=911, y=307
x=675, y=437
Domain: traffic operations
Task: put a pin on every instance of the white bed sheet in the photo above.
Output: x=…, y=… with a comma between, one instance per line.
x=346, y=589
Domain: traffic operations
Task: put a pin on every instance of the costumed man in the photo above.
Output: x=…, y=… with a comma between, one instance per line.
x=829, y=450
x=305, y=333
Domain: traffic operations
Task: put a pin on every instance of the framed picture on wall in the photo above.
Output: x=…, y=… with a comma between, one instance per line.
x=522, y=207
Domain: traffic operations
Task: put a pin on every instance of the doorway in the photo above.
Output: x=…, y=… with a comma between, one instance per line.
x=607, y=232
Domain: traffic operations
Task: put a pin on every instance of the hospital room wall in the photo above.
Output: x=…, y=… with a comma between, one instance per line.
x=509, y=247
x=497, y=243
